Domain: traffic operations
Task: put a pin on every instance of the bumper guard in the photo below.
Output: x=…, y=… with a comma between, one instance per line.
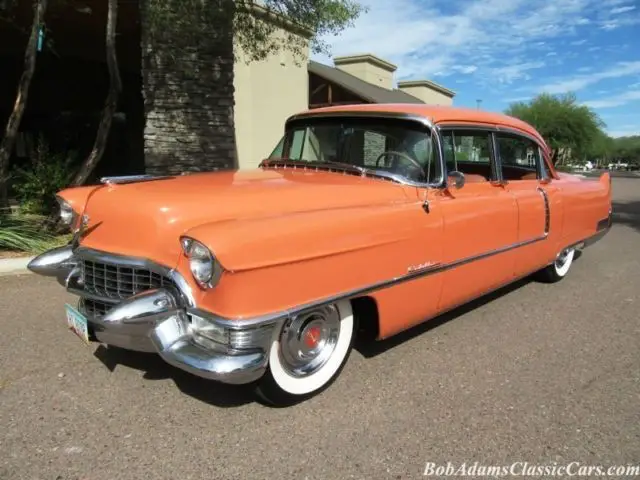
x=158, y=321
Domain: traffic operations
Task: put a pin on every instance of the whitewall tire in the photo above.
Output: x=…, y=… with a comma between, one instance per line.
x=559, y=268
x=307, y=353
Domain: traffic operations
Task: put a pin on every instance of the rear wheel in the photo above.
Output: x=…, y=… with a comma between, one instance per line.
x=307, y=354
x=559, y=268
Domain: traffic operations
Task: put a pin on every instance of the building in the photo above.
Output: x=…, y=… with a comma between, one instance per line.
x=353, y=79
x=182, y=109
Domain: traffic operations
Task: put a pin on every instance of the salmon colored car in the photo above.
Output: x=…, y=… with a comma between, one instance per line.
x=365, y=218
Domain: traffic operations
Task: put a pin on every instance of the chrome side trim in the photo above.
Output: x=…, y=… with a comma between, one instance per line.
x=243, y=323
x=547, y=210
x=131, y=179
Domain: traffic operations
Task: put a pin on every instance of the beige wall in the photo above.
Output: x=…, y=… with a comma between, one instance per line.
x=426, y=92
x=369, y=68
x=266, y=94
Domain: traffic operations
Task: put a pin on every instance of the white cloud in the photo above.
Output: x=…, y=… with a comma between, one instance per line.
x=465, y=69
x=579, y=82
x=424, y=41
x=625, y=131
x=579, y=42
x=516, y=71
x=615, y=100
x=518, y=99
x=619, y=10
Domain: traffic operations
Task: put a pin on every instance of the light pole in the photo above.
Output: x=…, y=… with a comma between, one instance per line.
x=478, y=102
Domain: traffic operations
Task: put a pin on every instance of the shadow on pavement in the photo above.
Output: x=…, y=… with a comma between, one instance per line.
x=627, y=214
x=154, y=368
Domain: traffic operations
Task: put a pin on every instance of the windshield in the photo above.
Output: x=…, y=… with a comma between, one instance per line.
x=396, y=146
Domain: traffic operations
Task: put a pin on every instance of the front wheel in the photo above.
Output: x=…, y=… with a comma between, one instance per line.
x=559, y=268
x=307, y=354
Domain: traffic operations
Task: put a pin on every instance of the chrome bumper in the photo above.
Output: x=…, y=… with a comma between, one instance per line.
x=159, y=321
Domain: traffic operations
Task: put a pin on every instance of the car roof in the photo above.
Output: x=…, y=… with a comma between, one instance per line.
x=436, y=114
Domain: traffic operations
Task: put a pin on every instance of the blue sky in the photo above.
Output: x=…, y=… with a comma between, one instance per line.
x=501, y=51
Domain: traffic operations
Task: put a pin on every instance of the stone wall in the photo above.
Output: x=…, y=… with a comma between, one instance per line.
x=188, y=97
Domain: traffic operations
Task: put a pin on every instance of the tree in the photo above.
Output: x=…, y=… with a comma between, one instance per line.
x=13, y=124
x=254, y=22
x=602, y=148
x=568, y=127
x=627, y=149
x=190, y=48
x=187, y=27
x=111, y=103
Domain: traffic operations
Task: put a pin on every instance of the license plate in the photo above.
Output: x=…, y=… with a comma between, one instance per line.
x=77, y=323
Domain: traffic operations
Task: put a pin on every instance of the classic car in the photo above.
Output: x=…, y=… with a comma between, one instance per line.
x=365, y=220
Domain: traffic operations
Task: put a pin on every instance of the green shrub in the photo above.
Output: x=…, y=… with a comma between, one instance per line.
x=37, y=183
x=23, y=233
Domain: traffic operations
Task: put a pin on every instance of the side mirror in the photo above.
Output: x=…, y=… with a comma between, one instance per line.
x=455, y=179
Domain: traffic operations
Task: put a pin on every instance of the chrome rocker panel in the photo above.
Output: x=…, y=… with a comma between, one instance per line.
x=158, y=321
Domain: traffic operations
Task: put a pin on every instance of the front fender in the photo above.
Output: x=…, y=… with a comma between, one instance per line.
x=275, y=263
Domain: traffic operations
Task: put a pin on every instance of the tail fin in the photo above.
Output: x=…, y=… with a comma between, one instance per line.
x=605, y=179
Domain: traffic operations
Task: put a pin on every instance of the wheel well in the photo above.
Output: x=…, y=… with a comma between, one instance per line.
x=365, y=311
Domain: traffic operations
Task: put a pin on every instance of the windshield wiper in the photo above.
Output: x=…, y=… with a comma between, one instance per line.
x=336, y=164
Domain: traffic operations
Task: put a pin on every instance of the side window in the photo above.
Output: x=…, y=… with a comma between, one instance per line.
x=297, y=141
x=277, y=152
x=469, y=152
x=519, y=157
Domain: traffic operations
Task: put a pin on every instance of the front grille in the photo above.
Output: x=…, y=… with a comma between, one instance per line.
x=118, y=281
x=114, y=283
x=93, y=308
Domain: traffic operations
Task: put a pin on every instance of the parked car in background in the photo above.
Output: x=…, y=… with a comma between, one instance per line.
x=365, y=219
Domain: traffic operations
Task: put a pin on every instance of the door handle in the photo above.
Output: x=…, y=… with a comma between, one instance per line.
x=499, y=183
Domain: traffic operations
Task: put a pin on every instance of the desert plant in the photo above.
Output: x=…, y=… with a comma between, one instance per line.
x=37, y=183
x=23, y=233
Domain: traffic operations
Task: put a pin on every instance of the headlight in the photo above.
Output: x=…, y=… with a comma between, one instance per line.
x=204, y=267
x=67, y=215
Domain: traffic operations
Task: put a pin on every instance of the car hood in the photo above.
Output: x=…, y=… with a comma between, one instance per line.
x=146, y=219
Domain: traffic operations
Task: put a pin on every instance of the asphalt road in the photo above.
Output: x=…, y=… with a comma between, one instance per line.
x=536, y=373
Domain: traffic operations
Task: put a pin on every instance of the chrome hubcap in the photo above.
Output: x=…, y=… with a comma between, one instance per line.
x=307, y=341
x=562, y=257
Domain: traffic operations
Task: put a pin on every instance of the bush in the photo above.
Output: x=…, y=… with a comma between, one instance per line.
x=23, y=233
x=37, y=183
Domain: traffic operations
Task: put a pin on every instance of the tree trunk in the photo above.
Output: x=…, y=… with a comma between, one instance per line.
x=11, y=130
x=111, y=103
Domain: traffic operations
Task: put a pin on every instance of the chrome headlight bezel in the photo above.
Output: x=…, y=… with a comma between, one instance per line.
x=205, y=268
x=67, y=214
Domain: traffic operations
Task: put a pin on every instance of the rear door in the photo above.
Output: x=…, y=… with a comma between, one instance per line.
x=480, y=220
x=525, y=176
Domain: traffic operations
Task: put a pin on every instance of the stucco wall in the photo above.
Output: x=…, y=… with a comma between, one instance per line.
x=267, y=92
x=426, y=94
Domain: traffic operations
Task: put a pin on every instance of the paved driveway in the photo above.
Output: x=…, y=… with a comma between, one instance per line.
x=539, y=374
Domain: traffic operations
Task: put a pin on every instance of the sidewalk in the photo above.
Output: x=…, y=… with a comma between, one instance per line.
x=14, y=266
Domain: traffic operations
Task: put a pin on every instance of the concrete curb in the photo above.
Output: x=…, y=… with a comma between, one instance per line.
x=14, y=266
